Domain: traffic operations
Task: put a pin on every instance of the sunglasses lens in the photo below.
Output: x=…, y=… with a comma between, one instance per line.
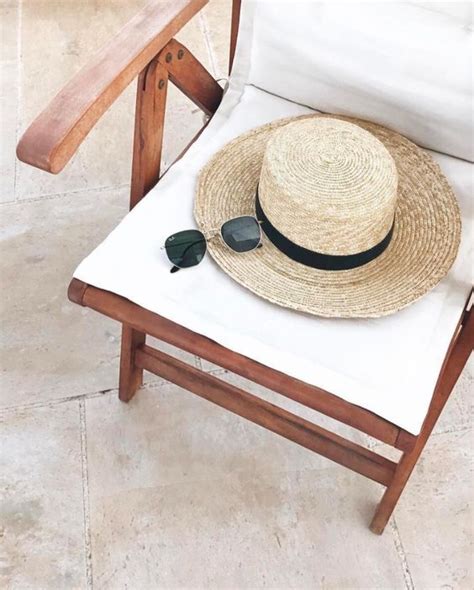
x=242, y=234
x=186, y=248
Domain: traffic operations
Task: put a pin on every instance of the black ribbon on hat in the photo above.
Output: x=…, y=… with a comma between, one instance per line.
x=317, y=259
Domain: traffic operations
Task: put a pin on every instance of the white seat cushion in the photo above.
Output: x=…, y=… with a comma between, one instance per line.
x=388, y=365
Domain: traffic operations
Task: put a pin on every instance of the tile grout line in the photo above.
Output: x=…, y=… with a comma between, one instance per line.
x=90, y=395
x=409, y=585
x=224, y=475
x=373, y=445
x=56, y=402
x=453, y=429
x=85, y=495
x=19, y=77
x=64, y=194
x=5, y=411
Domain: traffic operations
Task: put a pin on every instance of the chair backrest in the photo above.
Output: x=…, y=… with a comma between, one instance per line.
x=406, y=65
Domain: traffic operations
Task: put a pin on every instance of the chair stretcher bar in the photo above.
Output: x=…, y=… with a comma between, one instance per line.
x=268, y=415
x=145, y=321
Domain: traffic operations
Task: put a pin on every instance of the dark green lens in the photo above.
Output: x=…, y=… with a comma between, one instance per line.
x=186, y=248
x=242, y=234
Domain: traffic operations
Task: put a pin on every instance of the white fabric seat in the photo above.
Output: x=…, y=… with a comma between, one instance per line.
x=388, y=365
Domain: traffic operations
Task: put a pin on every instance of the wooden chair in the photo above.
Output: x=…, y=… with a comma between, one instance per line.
x=146, y=49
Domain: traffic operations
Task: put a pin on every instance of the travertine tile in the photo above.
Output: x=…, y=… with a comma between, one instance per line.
x=217, y=21
x=9, y=79
x=8, y=123
x=458, y=412
x=284, y=530
x=9, y=13
x=65, y=36
x=52, y=348
x=207, y=366
x=435, y=514
x=41, y=506
x=183, y=120
x=167, y=435
x=172, y=351
x=185, y=495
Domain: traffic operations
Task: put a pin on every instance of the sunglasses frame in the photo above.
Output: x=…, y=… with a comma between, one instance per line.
x=213, y=233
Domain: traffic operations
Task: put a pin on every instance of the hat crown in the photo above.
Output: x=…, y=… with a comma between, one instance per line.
x=328, y=185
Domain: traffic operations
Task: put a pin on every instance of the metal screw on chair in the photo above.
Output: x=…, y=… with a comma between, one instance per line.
x=168, y=58
x=161, y=84
x=181, y=54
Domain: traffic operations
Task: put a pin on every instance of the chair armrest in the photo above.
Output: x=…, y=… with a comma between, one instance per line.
x=54, y=136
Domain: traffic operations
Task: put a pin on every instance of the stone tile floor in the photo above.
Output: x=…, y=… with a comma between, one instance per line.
x=168, y=491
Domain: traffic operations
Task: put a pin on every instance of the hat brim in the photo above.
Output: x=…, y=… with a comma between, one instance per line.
x=423, y=247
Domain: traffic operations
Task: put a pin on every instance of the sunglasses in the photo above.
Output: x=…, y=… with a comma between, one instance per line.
x=187, y=248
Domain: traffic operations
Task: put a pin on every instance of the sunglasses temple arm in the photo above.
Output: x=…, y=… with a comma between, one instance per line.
x=174, y=269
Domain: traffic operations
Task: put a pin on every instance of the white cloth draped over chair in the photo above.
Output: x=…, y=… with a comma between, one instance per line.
x=369, y=60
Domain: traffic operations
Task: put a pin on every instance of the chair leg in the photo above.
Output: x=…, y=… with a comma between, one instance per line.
x=456, y=358
x=148, y=139
x=394, y=490
x=131, y=377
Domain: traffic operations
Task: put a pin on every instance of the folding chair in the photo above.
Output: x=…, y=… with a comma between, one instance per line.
x=389, y=377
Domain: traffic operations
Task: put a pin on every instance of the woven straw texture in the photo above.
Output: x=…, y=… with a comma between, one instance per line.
x=423, y=248
x=328, y=185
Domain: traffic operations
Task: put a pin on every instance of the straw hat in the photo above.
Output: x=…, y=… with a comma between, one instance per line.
x=357, y=220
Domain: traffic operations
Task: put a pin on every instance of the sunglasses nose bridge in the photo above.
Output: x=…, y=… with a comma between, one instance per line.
x=212, y=234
